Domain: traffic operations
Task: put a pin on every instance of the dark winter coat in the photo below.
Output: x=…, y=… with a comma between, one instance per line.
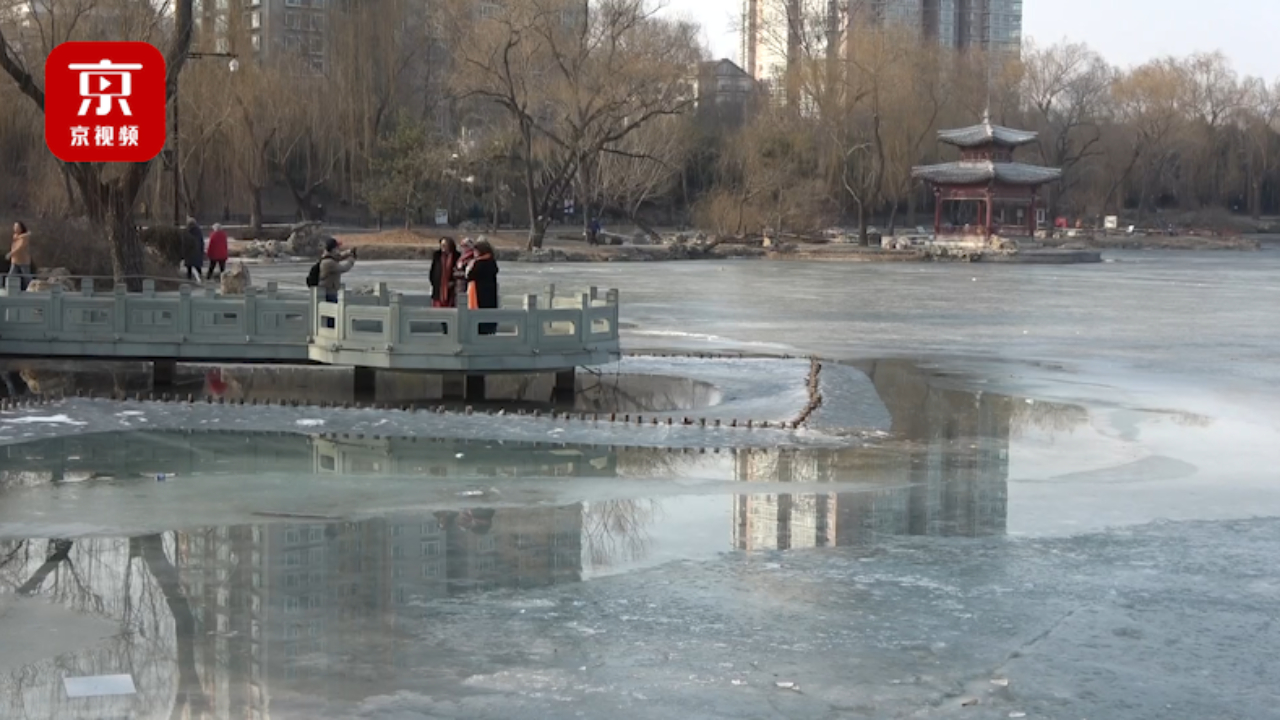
x=193, y=246
x=482, y=283
x=442, y=285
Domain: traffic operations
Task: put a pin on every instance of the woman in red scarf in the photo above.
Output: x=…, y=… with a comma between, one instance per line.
x=443, y=262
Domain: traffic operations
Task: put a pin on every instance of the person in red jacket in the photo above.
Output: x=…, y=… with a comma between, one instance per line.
x=217, y=252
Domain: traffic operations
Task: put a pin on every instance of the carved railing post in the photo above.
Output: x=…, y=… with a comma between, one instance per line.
x=183, y=319
x=53, y=320
x=120, y=311
x=250, y=313
x=392, y=331
x=584, y=319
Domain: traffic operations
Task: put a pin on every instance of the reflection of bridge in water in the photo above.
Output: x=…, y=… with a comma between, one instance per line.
x=270, y=613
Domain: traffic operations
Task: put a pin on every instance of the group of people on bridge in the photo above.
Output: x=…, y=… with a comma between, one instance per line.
x=470, y=271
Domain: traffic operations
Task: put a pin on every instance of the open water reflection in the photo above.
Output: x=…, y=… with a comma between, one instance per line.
x=266, y=574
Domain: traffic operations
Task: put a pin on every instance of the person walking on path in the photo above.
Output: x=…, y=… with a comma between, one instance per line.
x=482, y=283
x=19, y=256
x=193, y=249
x=443, y=263
x=217, y=251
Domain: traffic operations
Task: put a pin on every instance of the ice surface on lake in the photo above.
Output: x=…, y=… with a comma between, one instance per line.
x=933, y=539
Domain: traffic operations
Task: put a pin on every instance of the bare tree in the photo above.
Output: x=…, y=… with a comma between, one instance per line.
x=574, y=79
x=1068, y=90
x=109, y=191
x=642, y=167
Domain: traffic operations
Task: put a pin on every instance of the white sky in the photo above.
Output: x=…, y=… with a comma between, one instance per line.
x=1126, y=32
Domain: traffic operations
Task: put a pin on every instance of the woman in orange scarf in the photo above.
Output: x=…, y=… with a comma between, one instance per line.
x=482, y=283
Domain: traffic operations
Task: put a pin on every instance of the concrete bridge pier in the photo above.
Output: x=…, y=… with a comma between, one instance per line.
x=163, y=372
x=364, y=382
x=459, y=386
x=565, y=385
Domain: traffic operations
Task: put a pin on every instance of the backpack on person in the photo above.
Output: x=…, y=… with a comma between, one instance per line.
x=313, y=277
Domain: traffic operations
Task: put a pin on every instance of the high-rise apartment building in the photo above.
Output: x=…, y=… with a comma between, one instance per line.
x=994, y=25
x=265, y=29
x=778, y=35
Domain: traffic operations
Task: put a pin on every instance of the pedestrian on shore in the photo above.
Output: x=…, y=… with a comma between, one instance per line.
x=333, y=264
x=482, y=283
x=217, y=251
x=444, y=261
x=19, y=256
x=593, y=232
x=193, y=249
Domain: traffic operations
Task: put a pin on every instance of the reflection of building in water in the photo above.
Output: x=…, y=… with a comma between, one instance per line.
x=277, y=603
x=949, y=478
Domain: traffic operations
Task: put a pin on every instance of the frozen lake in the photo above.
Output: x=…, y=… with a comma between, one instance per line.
x=1043, y=492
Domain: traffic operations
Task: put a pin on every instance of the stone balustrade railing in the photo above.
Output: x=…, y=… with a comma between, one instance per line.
x=382, y=330
x=391, y=330
x=188, y=324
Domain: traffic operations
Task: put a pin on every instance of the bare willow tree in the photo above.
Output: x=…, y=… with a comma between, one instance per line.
x=642, y=167
x=386, y=58
x=1068, y=90
x=260, y=97
x=109, y=191
x=574, y=78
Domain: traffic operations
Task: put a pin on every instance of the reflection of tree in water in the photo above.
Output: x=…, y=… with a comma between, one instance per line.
x=648, y=462
x=615, y=392
x=99, y=577
x=617, y=530
x=1187, y=419
x=1040, y=415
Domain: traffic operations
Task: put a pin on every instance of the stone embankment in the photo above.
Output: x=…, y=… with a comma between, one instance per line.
x=1153, y=242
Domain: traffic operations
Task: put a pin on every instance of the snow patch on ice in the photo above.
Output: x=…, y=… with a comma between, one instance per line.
x=38, y=419
x=309, y=422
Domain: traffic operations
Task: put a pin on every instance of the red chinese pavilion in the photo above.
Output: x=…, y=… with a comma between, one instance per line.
x=986, y=192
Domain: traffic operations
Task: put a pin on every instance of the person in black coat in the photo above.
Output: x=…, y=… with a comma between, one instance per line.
x=482, y=283
x=443, y=263
x=193, y=249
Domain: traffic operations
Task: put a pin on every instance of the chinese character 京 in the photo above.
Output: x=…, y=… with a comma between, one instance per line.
x=80, y=137
x=105, y=81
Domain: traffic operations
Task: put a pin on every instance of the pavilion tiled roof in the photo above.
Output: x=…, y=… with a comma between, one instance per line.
x=972, y=172
x=985, y=134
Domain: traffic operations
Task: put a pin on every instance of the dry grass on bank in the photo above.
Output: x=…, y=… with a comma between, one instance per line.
x=396, y=244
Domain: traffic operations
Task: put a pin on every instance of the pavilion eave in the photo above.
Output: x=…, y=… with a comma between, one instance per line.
x=977, y=172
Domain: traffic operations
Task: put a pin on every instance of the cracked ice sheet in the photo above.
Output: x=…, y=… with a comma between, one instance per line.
x=901, y=629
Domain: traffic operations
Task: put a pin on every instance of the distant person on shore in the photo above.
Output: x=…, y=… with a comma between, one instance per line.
x=193, y=249
x=333, y=264
x=19, y=256
x=593, y=232
x=482, y=283
x=443, y=265
x=217, y=251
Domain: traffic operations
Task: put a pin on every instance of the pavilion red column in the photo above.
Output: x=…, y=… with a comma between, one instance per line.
x=937, y=212
x=986, y=225
x=1031, y=216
